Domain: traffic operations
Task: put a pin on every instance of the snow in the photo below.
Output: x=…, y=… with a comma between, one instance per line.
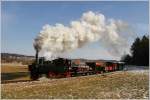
x=137, y=69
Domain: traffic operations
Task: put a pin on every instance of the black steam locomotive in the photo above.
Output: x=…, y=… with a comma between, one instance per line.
x=62, y=67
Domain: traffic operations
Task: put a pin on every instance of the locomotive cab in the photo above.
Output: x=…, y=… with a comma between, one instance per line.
x=121, y=65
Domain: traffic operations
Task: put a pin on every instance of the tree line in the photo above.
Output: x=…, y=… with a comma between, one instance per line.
x=139, y=52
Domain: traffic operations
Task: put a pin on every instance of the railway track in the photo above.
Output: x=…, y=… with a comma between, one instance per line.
x=16, y=81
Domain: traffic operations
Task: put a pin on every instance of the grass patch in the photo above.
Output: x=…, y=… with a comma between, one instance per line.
x=12, y=72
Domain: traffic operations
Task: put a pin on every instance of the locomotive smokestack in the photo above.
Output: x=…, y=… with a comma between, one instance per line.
x=36, y=56
x=37, y=49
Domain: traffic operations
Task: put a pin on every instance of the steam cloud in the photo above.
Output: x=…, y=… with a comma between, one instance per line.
x=91, y=27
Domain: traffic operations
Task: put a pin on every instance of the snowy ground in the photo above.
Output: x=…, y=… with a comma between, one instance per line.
x=137, y=69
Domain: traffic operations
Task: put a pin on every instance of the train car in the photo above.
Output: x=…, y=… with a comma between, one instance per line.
x=97, y=68
x=106, y=66
x=114, y=66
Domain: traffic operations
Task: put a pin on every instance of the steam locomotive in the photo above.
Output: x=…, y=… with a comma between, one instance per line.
x=62, y=67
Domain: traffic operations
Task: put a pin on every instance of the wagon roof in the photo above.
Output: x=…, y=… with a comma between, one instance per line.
x=99, y=60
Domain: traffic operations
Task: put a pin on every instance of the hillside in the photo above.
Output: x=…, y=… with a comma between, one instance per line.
x=16, y=58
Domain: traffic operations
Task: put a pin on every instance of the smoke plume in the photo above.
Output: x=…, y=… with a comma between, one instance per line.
x=91, y=27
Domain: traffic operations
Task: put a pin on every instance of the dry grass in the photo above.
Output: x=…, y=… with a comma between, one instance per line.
x=117, y=85
x=13, y=72
x=12, y=68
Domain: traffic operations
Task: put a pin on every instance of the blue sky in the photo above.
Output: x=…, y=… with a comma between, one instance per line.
x=22, y=21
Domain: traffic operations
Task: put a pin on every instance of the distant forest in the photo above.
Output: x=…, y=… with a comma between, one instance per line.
x=16, y=58
x=139, y=52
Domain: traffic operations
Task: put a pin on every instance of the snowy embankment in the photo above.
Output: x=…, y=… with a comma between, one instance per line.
x=137, y=69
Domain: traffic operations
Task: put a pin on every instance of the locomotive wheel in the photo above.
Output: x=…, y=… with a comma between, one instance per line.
x=47, y=75
x=34, y=75
x=68, y=74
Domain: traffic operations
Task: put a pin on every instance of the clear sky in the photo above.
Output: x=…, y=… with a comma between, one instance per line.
x=22, y=21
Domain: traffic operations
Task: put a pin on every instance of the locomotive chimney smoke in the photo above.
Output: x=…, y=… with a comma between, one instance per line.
x=36, y=56
x=37, y=49
x=91, y=27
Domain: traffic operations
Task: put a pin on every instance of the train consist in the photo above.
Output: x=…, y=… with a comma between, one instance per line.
x=62, y=67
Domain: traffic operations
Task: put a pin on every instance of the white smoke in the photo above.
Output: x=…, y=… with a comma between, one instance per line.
x=91, y=27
